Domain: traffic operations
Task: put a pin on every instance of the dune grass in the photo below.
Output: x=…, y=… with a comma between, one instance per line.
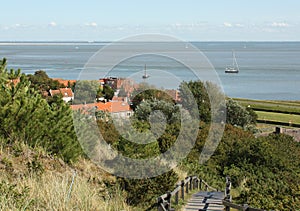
x=33, y=180
x=51, y=192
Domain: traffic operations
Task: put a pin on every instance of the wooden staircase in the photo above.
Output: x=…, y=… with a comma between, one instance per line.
x=203, y=200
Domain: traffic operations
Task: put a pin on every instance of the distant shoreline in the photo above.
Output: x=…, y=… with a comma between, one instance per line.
x=117, y=41
x=52, y=43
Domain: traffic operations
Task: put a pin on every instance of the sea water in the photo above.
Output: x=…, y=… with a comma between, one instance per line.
x=268, y=70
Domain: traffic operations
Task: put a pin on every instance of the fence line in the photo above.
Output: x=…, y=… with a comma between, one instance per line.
x=164, y=202
x=182, y=188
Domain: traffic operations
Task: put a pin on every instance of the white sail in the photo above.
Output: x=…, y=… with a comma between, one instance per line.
x=235, y=67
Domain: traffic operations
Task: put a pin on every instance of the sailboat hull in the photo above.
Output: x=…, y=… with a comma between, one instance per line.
x=230, y=70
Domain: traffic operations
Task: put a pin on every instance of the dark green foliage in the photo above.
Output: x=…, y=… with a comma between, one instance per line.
x=147, y=108
x=108, y=130
x=146, y=92
x=168, y=138
x=41, y=81
x=264, y=171
x=108, y=92
x=195, y=91
x=26, y=117
x=239, y=115
x=252, y=114
x=86, y=91
x=144, y=192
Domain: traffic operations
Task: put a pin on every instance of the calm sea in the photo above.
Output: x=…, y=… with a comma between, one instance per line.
x=268, y=70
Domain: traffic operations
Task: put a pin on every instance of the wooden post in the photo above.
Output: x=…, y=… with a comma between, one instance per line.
x=191, y=182
x=197, y=183
x=159, y=201
x=245, y=207
x=168, y=199
x=200, y=185
x=187, y=187
x=182, y=189
x=227, y=192
x=176, y=195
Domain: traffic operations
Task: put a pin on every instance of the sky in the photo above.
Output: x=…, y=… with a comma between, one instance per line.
x=190, y=20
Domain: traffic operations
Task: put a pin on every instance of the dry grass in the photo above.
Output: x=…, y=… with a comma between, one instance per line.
x=48, y=186
x=51, y=192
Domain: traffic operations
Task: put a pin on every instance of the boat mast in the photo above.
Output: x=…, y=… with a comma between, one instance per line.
x=236, y=64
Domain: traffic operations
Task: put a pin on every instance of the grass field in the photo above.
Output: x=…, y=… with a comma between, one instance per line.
x=278, y=111
x=273, y=116
x=274, y=106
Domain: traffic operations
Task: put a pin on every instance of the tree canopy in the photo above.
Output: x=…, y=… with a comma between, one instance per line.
x=26, y=117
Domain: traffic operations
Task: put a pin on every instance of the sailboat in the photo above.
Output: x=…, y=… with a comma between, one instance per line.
x=145, y=73
x=235, y=67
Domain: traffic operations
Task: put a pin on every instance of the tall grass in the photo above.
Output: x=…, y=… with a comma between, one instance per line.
x=50, y=191
x=45, y=184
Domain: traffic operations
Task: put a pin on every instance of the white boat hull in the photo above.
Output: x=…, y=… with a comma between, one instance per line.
x=231, y=70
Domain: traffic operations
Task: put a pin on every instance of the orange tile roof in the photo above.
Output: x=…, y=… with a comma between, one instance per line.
x=112, y=107
x=64, y=82
x=54, y=92
x=15, y=81
x=66, y=92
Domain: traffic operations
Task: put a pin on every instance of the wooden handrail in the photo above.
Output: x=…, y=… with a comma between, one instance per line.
x=183, y=187
x=227, y=200
x=191, y=183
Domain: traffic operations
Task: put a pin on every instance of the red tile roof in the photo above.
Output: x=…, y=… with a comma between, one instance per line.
x=65, y=82
x=54, y=92
x=112, y=107
x=65, y=92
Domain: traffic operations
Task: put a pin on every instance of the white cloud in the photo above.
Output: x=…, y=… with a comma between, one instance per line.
x=52, y=24
x=188, y=26
x=92, y=24
x=280, y=24
x=239, y=25
x=226, y=24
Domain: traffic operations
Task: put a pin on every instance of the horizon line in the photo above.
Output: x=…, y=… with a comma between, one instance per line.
x=109, y=41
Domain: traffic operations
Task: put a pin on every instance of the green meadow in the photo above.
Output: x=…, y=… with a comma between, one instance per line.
x=278, y=111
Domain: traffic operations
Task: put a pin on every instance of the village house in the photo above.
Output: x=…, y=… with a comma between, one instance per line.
x=174, y=94
x=66, y=93
x=66, y=83
x=119, y=109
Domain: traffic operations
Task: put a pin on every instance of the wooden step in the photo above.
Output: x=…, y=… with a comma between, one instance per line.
x=205, y=201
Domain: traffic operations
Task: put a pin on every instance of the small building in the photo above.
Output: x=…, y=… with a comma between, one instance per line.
x=119, y=109
x=66, y=83
x=66, y=93
x=174, y=94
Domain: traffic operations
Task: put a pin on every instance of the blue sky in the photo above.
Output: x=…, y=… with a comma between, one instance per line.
x=199, y=20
